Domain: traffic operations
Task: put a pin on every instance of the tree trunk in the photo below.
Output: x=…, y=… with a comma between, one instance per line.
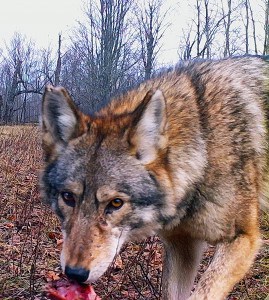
x=247, y=27
x=227, y=29
x=266, y=29
x=12, y=94
x=59, y=62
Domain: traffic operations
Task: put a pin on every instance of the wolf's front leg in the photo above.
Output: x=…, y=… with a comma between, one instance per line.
x=182, y=257
x=230, y=263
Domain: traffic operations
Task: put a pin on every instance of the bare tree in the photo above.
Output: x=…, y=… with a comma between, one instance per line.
x=231, y=13
x=203, y=30
x=198, y=4
x=221, y=29
x=22, y=77
x=254, y=35
x=187, y=45
x=59, y=62
x=248, y=20
x=246, y=23
x=105, y=45
x=227, y=27
x=112, y=49
x=151, y=28
x=207, y=29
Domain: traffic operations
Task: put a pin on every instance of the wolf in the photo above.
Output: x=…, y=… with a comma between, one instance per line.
x=183, y=155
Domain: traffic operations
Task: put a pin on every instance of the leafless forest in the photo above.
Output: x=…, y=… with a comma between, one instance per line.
x=118, y=46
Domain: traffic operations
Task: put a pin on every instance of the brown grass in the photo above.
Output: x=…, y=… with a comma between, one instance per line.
x=30, y=238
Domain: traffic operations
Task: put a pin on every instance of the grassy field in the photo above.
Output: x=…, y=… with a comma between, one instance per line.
x=30, y=238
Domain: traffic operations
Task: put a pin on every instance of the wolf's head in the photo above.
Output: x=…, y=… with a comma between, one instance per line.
x=103, y=177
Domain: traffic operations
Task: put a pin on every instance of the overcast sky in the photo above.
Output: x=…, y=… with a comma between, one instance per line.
x=42, y=20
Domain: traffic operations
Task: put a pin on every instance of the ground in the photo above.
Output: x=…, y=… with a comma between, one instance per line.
x=30, y=238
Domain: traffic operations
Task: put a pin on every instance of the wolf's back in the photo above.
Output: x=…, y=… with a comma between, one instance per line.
x=230, y=100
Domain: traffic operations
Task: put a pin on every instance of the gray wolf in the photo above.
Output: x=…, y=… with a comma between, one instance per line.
x=182, y=156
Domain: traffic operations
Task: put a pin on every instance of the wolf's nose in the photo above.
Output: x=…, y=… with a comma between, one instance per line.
x=78, y=274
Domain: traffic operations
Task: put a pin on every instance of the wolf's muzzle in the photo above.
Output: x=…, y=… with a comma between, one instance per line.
x=78, y=274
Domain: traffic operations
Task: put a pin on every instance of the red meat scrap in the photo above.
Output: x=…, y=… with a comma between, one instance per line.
x=64, y=289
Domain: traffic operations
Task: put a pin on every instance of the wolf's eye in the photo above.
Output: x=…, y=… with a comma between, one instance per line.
x=113, y=205
x=69, y=198
x=116, y=203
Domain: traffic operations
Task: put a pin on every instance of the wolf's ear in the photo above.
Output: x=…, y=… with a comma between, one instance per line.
x=147, y=133
x=61, y=120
